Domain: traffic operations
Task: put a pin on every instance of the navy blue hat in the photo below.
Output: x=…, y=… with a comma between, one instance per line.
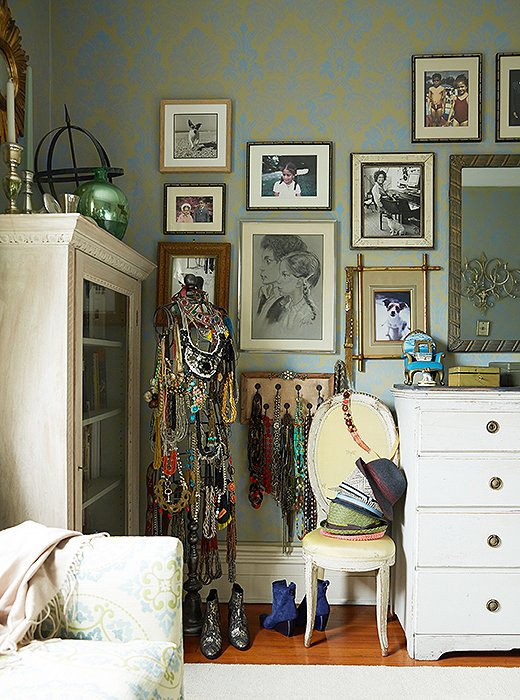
x=388, y=482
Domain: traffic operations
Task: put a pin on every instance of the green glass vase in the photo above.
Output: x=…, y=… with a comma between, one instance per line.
x=104, y=202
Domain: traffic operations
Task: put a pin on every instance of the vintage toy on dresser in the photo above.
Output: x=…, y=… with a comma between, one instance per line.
x=458, y=556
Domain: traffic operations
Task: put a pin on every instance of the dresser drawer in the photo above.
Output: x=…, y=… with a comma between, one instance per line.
x=468, y=431
x=468, y=539
x=456, y=603
x=491, y=482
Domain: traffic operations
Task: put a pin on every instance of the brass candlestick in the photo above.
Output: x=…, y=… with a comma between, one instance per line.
x=28, y=177
x=12, y=183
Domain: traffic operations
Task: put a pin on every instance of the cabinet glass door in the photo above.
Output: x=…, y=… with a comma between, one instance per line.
x=104, y=409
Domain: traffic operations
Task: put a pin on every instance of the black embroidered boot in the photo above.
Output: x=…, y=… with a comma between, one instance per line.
x=238, y=631
x=211, y=634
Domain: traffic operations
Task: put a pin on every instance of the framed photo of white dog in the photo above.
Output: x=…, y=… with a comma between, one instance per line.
x=195, y=136
x=392, y=200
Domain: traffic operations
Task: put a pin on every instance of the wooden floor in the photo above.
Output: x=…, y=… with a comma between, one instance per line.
x=350, y=638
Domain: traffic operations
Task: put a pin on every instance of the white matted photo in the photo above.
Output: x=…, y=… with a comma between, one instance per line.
x=194, y=208
x=447, y=97
x=508, y=97
x=287, y=286
x=392, y=200
x=285, y=176
x=195, y=136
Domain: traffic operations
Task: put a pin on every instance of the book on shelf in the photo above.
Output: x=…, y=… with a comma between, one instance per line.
x=99, y=379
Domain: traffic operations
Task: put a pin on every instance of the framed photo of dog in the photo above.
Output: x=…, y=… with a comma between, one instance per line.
x=286, y=176
x=195, y=136
x=447, y=97
x=287, y=282
x=508, y=97
x=391, y=302
x=392, y=200
x=210, y=261
x=194, y=208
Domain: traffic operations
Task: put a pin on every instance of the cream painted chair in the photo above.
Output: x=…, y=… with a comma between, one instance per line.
x=332, y=453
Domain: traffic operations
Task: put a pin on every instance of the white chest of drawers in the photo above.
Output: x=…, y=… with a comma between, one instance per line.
x=457, y=531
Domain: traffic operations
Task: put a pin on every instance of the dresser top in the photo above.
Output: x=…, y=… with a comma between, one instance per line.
x=453, y=391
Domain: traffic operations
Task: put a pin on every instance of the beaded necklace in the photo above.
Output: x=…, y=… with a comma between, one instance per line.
x=255, y=451
x=349, y=421
x=300, y=466
x=277, y=445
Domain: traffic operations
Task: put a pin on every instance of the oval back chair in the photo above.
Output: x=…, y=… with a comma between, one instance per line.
x=332, y=454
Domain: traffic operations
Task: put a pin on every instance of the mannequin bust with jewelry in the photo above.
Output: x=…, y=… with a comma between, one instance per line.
x=190, y=482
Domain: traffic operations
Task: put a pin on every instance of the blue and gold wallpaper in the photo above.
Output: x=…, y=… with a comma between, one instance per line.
x=334, y=70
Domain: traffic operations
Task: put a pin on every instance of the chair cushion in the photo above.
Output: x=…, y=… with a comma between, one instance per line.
x=316, y=543
x=72, y=669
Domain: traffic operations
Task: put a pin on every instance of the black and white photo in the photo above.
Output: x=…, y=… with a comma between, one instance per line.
x=195, y=136
x=392, y=200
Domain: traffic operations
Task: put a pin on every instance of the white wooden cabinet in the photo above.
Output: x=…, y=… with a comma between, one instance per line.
x=457, y=572
x=70, y=297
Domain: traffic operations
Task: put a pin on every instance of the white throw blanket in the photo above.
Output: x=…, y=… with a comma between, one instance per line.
x=35, y=564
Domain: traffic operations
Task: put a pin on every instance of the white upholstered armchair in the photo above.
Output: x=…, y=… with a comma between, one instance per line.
x=121, y=628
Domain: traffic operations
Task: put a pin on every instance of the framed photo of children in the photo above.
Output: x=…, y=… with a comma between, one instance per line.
x=195, y=136
x=210, y=261
x=447, y=98
x=392, y=200
x=194, y=208
x=508, y=97
x=287, y=286
x=287, y=176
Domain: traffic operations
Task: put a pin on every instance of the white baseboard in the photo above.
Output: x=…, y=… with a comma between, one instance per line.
x=259, y=564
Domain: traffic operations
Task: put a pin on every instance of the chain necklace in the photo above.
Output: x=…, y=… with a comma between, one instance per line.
x=255, y=451
x=310, y=508
x=287, y=482
x=277, y=445
x=300, y=466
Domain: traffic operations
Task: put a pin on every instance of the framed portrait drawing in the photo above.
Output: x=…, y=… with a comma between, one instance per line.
x=288, y=176
x=392, y=200
x=211, y=261
x=194, y=208
x=287, y=286
x=195, y=136
x=447, y=97
x=508, y=97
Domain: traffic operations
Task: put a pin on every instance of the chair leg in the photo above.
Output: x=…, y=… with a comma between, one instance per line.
x=311, y=591
x=320, y=572
x=383, y=591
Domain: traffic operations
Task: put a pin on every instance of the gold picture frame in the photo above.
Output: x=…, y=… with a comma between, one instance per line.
x=16, y=64
x=390, y=302
x=211, y=261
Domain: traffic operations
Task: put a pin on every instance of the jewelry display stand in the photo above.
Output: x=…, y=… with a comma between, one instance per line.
x=191, y=490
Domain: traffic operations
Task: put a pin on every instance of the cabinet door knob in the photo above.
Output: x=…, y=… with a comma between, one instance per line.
x=492, y=605
x=492, y=427
x=494, y=541
x=496, y=483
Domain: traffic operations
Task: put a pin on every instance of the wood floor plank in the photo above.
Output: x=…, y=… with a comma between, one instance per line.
x=350, y=639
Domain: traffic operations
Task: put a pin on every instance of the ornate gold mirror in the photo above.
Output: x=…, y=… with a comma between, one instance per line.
x=484, y=281
x=14, y=65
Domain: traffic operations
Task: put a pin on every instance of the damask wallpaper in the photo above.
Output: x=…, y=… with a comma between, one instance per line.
x=295, y=71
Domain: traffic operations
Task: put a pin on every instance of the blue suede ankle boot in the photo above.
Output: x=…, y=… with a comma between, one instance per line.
x=322, y=609
x=284, y=610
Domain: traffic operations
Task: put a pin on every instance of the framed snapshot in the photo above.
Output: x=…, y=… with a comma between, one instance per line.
x=287, y=286
x=287, y=176
x=195, y=136
x=211, y=261
x=447, y=97
x=194, y=208
x=394, y=304
x=508, y=97
x=392, y=200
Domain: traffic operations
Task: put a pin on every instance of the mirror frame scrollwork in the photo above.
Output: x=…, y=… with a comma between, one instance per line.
x=16, y=62
x=455, y=342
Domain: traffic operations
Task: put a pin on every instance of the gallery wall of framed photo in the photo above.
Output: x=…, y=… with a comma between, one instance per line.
x=287, y=269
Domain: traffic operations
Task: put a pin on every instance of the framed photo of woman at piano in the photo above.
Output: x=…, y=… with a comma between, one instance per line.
x=447, y=97
x=392, y=200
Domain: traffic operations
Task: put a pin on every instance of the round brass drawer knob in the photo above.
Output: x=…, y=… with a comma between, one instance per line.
x=492, y=605
x=492, y=427
x=494, y=541
x=496, y=483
